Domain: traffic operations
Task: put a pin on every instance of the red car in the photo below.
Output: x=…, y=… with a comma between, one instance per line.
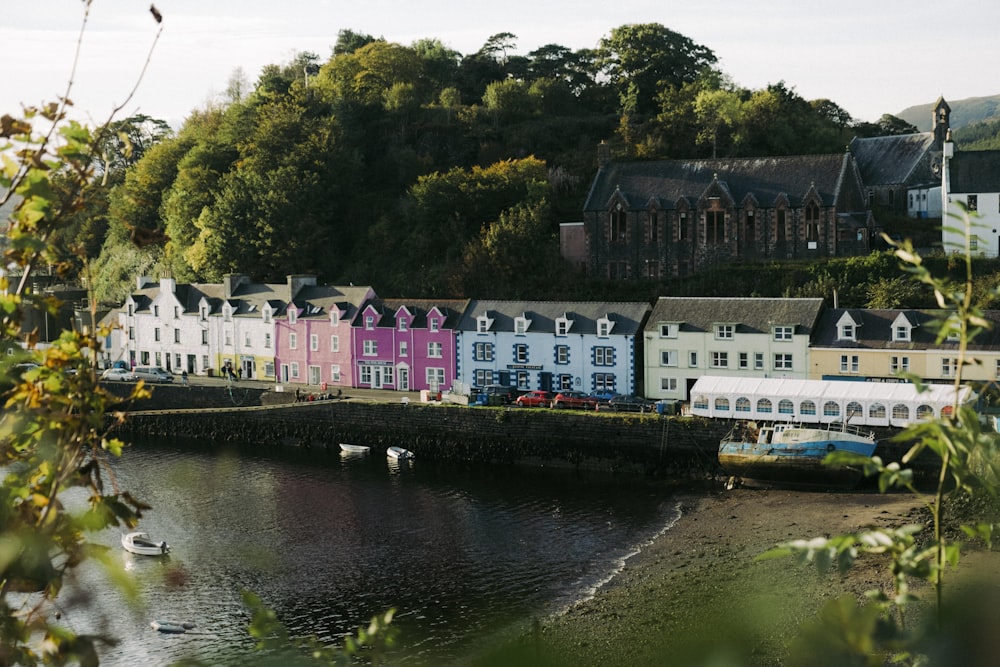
x=574, y=399
x=535, y=399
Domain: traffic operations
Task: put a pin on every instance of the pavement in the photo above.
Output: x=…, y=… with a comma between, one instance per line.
x=374, y=395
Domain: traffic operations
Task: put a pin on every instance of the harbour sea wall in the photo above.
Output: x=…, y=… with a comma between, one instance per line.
x=672, y=447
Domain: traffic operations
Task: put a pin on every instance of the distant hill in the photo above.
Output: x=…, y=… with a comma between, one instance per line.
x=963, y=112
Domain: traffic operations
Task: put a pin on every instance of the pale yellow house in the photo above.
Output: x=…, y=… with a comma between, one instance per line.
x=884, y=345
x=686, y=338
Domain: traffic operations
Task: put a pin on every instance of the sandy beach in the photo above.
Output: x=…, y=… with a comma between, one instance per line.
x=699, y=595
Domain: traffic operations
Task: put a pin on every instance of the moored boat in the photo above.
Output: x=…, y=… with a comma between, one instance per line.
x=793, y=454
x=140, y=543
x=354, y=449
x=399, y=453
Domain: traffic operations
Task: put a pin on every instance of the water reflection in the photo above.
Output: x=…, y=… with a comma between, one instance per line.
x=328, y=540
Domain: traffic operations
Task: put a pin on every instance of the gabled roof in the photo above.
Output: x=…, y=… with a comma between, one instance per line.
x=974, y=172
x=317, y=301
x=894, y=160
x=765, y=178
x=628, y=317
x=749, y=315
x=451, y=309
x=874, y=330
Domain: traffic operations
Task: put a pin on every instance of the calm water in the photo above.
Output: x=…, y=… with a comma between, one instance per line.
x=329, y=540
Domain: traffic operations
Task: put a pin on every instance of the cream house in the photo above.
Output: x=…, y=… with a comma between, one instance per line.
x=688, y=337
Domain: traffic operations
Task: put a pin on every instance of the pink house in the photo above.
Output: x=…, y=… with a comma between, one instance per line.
x=313, y=335
x=406, y=344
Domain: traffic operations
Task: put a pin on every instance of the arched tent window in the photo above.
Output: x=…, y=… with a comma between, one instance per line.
x=807, y=408
x=764, y=405
x=722, y=404
x=786, y=407
x=876, y=411
x=742, y=404
x=812, y=221
x=701, y=402
x=831, y=409
x=854, y=409
x=900, y=411
x=925, y=412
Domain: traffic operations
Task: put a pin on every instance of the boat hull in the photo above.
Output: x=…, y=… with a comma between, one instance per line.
x=354, y=449
x=399, y=453
x=793, y=456
x=141, y=545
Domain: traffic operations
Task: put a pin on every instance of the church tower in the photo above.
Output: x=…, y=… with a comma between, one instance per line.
x=940, y=122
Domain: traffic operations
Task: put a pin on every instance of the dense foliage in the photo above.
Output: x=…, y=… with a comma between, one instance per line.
x=426, y=172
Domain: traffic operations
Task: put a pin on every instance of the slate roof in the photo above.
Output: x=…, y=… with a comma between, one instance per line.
x=894, y=160
x=764, y=178
x=628, y=317
x=696, y=314
x=874, y=330
x=974, y=172
x=317, y=301
x=453, y=309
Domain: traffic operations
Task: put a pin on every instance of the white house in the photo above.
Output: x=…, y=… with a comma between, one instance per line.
x=689, y=337
x=585, y=346
x=970, y=180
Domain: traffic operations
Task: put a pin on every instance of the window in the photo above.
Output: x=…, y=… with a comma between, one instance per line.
x=521, y=353
x=973, y=242
x=369, y=322
x=402, y=324
x=654, y=224
x=434, y=350
x=720, y=360
x=131, y=310
x=435, y=378
x=293, y=341
x=742, y=404
x=668, y=331
x=786, y=407
x=997, y=370
x=403, y=348
x=313, y=342
x=335, y=343
x=366, y=375
x=847, y=332
x=783, y=333
x=901, y=332
x=131, y=334
x=758, y=361
x=267, y=341
x=807, y=408
x=156, y=311
x=603, y=328
x=700, y=403
x=724, y=331
x=246, y=339
x=177, y=312
x=483, y=377
x=156, y=334
x=972, y=202
x=779, y=224
x=177, y=335
x=831, y=409
x=876, y=411
x=618, y=229
x=764, y=405
x=294, y=369
x=849, y=363
x=229, y=339
x=652, y=269
x=314, y=375
x=925, y=412
x=900, y=411
x=715, y=226
x=604, y=381
x=562, y=354
x=744, y=361
x=854, y=409
x=370, y=348
x=520, y=326
x=899, y=365
x=604, y=356
x=562, y=327
x=482, y=325
x=434, y=327
x=482, y=351
x=812, y=224
x=782, y=362
x=722, y=404
x=668, y=384
x=668, y=357
x=949, y=367
x=335, y=372
x=204, y=336
x=692, y=359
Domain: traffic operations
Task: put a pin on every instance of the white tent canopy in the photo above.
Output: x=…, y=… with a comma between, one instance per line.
x=822, y=401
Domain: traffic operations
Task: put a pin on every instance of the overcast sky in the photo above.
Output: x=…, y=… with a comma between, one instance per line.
x=869, y=56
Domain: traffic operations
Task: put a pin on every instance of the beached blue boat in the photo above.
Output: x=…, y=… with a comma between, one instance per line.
x=792, y=454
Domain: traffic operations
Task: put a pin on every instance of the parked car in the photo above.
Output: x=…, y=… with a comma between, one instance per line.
x=152, y=374
x=499, y=394
x=603, y=397
x=574, y=399
x=118, y=375
x=631, y=404
x=535, y=399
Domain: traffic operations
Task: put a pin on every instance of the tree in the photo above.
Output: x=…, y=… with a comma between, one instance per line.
x=642, y=59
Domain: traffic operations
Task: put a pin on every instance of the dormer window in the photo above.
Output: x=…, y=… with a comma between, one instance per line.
x=369, y=322
x=521, y=325
x=334, y=317
x=563, y=325
x=847, y=328
x=668, y=330
x=266, y=313
x=227, y=312
x=402, y=324
x=484, y=323
x=901, y=329
x=724, y=331
x=604, y=326
x=203, y=313
x=433, y=325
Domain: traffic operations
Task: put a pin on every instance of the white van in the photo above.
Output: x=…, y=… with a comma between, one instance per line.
x=152, y=374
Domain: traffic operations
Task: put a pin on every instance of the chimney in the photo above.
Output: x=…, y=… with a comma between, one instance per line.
x=297, y=282
x=232, y=281
x=603, y=154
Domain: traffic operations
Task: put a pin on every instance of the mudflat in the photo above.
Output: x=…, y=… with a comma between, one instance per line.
x=699, y=595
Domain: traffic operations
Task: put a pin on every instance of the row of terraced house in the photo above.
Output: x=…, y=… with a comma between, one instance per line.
x=302, y=333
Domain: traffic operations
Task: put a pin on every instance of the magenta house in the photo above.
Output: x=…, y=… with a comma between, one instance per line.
x=313, y=335
x=406, y=345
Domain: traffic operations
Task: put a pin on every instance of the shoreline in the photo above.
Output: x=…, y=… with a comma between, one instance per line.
x=697, y=587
